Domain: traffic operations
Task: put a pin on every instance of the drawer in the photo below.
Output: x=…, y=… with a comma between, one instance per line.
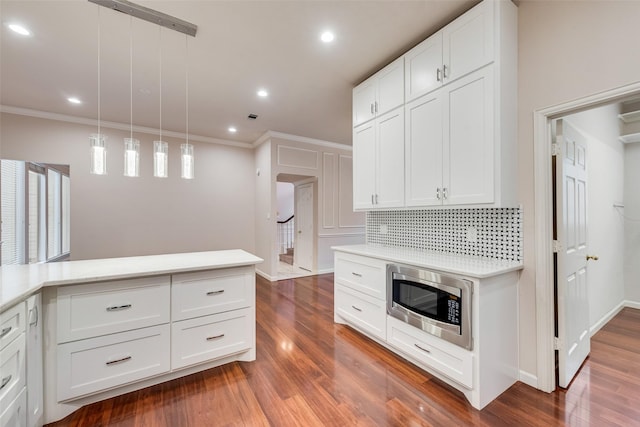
x=448, y=359
x=15, y=414
x=12, y=324
x=91, y=310
x=211, y=337
x=97, y=364
x=12, y=370
x=363, y=274
x=360, y=310
x=210, y=292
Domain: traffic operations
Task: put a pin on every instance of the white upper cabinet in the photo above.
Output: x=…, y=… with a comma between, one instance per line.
x=378, y=162
x=380, y=93
x=460, y=145
x=463, y=46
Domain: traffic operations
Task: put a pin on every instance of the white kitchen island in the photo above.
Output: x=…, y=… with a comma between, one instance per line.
x=111, y=326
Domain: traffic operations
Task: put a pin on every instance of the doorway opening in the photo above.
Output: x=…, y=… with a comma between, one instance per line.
x=552, y=271
x=296, y=225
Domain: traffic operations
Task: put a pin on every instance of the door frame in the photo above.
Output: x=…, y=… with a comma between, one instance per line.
x=311, y=182
x=543, y=216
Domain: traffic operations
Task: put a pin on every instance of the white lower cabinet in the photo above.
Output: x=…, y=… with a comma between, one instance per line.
x=210, y=337
x=363, y=311
x=96, y=364
x=34, y=362
x=12, y=371
x=450, y=360
x=118, y=336
x=15, y=414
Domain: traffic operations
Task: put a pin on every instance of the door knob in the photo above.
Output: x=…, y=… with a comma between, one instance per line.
x=592, y=257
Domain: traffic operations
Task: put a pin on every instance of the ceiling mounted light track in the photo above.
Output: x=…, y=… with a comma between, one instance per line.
x=150, y=15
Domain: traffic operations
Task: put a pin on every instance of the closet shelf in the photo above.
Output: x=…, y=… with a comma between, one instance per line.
x=632, y=137
x=630, y=117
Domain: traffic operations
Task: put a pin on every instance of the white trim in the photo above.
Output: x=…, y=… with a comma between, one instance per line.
x=329, y=235
x=296, y=138
x=605, y=319
x=115, y=125
x=325, y=271
x=632, y=304
x=266, y=276
x=543, y=222
x=527, y=378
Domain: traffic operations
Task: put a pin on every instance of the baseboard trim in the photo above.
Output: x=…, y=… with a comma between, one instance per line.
x=529, y=379
x=266, y=276
x=632, y=304
x=603, y=321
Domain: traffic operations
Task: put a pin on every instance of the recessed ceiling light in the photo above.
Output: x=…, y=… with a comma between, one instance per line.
x=20, y=29
x=327, y=37
x=263, y=93
x=232, y=129
x=74, y=100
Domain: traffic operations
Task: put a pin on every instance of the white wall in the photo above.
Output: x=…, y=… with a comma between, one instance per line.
x=284, y=192
x=632, y=223
x=566, y=50
x=113, y=216
x=265, y=210
x=605, y=234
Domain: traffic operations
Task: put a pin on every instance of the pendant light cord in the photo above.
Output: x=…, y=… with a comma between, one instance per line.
x=131, y=76
x=186, y=42
x=99, y=48
x=160, y=54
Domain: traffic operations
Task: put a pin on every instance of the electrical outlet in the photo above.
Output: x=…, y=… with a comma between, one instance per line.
x=384, y=228
x=472, y=234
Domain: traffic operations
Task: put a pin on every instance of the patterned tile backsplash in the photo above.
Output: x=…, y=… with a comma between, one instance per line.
x=491, y=233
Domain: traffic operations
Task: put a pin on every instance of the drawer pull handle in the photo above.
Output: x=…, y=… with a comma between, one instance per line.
x=5, y=381
x=356, y=274
x=356, y=308
x=5, y=331
x=221, y=291
x=215, y=337
x=124, y=359
x=423, y=349
x=118, y=307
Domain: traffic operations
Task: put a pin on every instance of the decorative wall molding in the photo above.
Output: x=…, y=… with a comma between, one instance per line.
x=118, y=126
x=289, y=137
x=329, y=188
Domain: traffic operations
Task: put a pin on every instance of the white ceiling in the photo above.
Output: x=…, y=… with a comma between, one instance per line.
x=240, y=46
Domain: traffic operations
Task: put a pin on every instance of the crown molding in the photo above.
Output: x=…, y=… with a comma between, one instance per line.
x=118, y=126
x=273, y=134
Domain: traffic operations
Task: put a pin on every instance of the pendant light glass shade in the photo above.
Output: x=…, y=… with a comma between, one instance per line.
x=131, y=157
x=187, y=161
x=98, y=153
x=160, y=159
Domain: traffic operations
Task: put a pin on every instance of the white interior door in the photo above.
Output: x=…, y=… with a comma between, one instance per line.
x=571, y=217
x=303, y=253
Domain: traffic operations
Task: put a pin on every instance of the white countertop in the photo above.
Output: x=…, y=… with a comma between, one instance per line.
x=450, y=263
x=19, y=281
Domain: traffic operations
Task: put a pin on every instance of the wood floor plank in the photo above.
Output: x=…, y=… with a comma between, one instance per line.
x=312, y=372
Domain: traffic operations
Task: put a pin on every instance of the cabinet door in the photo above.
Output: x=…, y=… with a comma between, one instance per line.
x=424, y=150
x=34, y=362
x=468, y=41
x=469, y=144
x=390, y=82
x=364, y=97
x=390, y=160
x=423, y=68
x=364, y=164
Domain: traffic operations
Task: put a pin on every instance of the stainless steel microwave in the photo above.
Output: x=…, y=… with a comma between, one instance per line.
x=436, y=303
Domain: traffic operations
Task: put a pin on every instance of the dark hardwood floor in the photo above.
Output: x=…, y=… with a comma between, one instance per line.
x=312, y=372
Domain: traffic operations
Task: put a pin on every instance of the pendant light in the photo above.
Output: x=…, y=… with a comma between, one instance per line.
x=131, y=145
x=160, y=148
x=186, y=149
x=97, y=141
